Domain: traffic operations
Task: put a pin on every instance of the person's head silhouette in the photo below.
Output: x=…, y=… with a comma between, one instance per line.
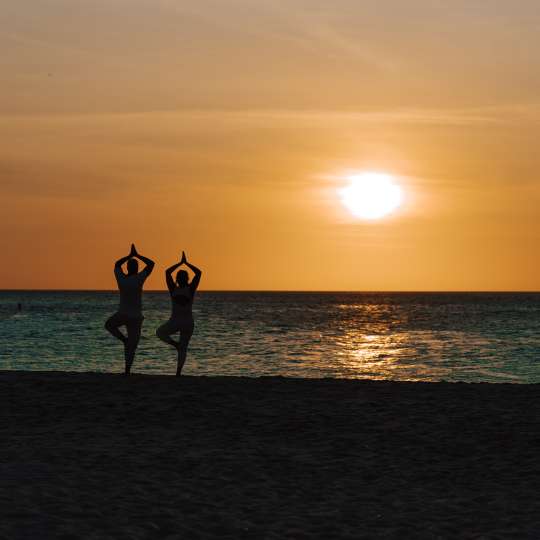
x=182, y=278
x=132, y=267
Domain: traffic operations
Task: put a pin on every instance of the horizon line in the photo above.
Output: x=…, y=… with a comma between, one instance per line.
x=329, y=291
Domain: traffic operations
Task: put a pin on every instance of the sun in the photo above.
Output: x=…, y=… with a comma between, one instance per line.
x=371, y=195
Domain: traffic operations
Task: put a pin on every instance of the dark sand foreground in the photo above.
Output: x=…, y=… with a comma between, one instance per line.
x=101, y=456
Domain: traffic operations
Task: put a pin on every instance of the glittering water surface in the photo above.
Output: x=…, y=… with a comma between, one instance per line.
x=406, y=336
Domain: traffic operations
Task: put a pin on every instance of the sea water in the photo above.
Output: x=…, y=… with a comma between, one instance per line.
x=470, y=337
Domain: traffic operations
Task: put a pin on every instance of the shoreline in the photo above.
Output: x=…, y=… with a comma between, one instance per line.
x=99, y=455
x=239, y=378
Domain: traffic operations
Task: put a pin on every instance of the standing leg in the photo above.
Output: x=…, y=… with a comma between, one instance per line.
x=113, y=323
x=185, y=336
x=130, y=346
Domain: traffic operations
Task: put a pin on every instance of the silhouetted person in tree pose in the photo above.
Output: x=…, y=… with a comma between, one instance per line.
x=182, y=293
x=129, y=312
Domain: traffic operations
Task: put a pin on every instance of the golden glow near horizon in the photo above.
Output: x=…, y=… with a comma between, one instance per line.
x=207, y=126
x=371, y=195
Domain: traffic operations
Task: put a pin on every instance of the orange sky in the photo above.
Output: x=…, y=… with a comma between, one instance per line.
x=225, y=128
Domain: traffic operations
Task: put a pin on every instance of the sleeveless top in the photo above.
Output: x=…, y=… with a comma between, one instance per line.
x=181, y=303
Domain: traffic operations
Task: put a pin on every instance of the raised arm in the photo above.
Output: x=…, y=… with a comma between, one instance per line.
x=148, y=262
x=118, y=264
x=168, y=276
x=197, y=271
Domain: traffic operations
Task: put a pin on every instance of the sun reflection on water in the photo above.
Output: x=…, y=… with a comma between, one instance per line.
x=383, y=356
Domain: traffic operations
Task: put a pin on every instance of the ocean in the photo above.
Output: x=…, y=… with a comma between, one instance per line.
x=470, y=337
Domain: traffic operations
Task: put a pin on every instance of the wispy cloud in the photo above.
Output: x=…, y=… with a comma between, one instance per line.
x=505, y=114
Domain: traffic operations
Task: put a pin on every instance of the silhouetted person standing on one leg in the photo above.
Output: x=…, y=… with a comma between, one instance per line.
x=182, y=293
x=129, y=313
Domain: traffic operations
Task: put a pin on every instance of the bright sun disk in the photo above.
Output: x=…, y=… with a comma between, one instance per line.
x=371, y=195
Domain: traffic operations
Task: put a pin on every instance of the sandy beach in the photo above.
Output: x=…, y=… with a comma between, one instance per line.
x=101, y=456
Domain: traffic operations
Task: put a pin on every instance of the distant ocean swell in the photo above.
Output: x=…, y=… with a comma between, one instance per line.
x=400, y=336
